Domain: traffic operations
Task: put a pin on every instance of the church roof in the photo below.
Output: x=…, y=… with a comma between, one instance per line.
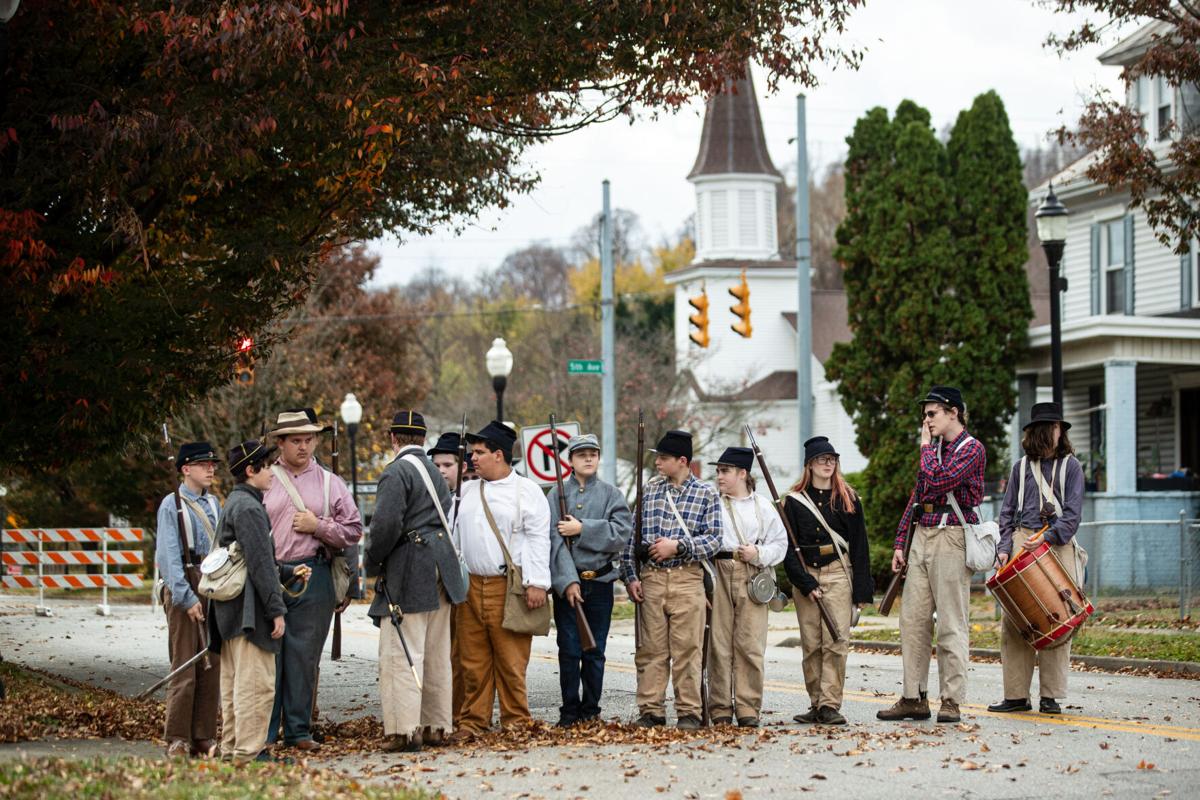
x=732, y=140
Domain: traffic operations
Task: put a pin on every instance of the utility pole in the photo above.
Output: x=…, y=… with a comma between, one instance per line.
x=803, y=283
x=608, y=335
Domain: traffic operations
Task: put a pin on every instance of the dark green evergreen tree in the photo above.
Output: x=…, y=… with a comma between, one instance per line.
x=930, y=273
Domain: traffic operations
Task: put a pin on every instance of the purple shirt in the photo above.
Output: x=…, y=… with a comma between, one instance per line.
x=1067, y=486
x=339, y=528
x=960, y=470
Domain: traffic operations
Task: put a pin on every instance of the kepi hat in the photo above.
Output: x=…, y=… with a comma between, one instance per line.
x=247, y=452
x=675, y=443
x=739, y=457
x=447, y=444
x=818, y=446
x=947, y=395
x=195, y=453
x=497, y=434
x=584, y=441
x=409, y=422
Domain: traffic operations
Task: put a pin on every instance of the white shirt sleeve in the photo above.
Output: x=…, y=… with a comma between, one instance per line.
x=535, y=535
x=775, y=544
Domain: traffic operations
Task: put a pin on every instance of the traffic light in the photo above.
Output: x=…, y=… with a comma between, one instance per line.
x=243, y=369
x=741, y=309
x=700, y=319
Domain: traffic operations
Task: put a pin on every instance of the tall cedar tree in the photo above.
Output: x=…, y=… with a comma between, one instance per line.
x=171, y=173
x=933, y=247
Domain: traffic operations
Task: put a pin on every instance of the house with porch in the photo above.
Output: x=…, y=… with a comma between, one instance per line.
x=1130, y=330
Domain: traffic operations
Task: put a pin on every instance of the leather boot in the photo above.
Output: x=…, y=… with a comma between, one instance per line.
x=400, y=743
x=906, y=708
x=807, y=717
x=1049, y=705
x=948, y=711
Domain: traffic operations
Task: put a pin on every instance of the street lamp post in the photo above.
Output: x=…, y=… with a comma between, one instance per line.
x=1052, y=232
x=499, y=361
x=352, y=415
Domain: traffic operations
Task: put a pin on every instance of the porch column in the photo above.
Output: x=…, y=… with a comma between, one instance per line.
x=1120, y=426
x=1026, y=397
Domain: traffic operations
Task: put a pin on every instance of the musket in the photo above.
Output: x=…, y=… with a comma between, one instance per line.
x=190, y=571
x=637, y=527
x=462, y=460
x=335, y=647
x=587, y=639
x=397, y=617
x=830, y=625
x=181, y=668
x=897, y=582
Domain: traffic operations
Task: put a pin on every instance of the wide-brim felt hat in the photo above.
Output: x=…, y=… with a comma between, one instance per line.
x=946, y=395
x=409, y=422
x=1046, y=412
x=819, y=446
x=497, y=434
x=674, y=443
x=447, y=444
x=312, y=417
x=293, y=422
x=738, y=457
x=195, y=453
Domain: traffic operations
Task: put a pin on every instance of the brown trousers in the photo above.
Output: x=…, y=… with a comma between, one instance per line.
x=247, y=695
x=193, y=696
x=938, y=580
x=824, y=661
x=672, y=639
x=1019, y=658
x=493, y=659
x=738, y=644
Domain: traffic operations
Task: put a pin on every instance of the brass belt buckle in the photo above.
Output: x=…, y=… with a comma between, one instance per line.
x=927, y=508
x=588, y=574
x=826, y=550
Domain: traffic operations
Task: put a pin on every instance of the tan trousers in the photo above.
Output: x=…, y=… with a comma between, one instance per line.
x=407, y=708
x=739, y=642
x=824, y=659
x=672, y=640
x=194, y=695
x=1019, y=658
x=247, y=696
x=493, y=660
x=938, y=580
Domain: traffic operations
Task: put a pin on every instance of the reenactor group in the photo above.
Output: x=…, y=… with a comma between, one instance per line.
x=470, y=560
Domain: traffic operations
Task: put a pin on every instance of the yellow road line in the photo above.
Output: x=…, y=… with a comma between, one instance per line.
x=1070, y=720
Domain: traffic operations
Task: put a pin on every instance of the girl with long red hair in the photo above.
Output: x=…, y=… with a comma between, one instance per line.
x=827, y=517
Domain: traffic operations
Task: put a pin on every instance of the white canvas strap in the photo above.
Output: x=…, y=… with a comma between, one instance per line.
x=187, y=522
x=675, y=511
x=840, y=545
x=294, y=494
x=737, y=529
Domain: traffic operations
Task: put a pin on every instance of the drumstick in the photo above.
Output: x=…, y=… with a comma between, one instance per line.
x=1012, y=559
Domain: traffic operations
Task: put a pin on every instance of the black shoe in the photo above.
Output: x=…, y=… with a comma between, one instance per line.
x=1049, y=706
x=566, y=722
x=722, y=721
x=650, y=721
x=317, y=735
x=1010, y=705
x=808, y=717
x=747, y=722
x=688, y=723
x=826, y=715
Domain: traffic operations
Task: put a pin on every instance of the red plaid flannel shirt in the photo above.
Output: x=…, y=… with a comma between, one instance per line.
x=960, y=471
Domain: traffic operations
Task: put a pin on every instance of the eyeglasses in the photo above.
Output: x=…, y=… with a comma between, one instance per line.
x=933, y=412
x=826, y=461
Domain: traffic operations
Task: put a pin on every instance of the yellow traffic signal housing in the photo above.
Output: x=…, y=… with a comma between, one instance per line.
x=741, y=310
x=243, y=366
x=699, y=320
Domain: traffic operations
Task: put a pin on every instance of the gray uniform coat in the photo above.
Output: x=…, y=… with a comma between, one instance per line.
x=250, y=614
x=407, y=544
x=607, y=526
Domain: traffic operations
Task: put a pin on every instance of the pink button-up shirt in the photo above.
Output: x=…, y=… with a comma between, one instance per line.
x=338, y=529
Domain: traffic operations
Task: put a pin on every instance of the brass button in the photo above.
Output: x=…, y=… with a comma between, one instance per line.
x=579, y=505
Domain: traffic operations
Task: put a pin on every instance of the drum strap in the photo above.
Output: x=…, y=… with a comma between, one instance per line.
x=1047, y=492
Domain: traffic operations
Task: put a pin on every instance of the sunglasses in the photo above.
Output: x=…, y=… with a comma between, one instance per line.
x=932, y=413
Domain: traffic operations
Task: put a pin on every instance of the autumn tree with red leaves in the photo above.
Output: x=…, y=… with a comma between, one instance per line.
x=182, y=167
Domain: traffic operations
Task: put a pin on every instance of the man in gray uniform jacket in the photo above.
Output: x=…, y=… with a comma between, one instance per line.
x=598, y=523
x=410, y=548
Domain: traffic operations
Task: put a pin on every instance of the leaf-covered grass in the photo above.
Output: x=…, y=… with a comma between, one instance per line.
x=1090, y=641
x=136, y=778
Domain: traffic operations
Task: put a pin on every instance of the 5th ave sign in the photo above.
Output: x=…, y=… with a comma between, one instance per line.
x=585, y=366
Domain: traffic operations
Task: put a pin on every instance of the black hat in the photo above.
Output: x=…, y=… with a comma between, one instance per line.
x=497, y=434
x=946, y=395
x=248, y=452
x=447, y=444
x=818, y=446
x=675, y=443
x=194, y=453
x=409, y=422
x=740, y=457
x=1046, y=412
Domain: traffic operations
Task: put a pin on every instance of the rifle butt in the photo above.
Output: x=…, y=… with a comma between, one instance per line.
x=587, y=639
x=335, y=649
x=830, y=625
x=893, y=591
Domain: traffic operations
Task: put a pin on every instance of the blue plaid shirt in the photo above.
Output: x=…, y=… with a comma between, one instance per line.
x=700, y=508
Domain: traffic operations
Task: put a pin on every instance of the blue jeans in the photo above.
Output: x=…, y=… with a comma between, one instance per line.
x=574, y=665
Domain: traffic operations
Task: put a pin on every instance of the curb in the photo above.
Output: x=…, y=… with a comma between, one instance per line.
x=1110, y=663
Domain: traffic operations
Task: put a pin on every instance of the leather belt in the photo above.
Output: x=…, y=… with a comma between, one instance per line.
x=592, y=574
x=723, y=555
x=822, y=549
x=934, y=508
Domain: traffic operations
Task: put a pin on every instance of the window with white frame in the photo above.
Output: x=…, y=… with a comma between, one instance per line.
x=1112, y=265
x=1154, y=101
x=1142, y=101
x=1195, y=265
x=1164, y=107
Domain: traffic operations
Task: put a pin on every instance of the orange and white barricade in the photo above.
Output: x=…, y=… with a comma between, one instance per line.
x=61, y=557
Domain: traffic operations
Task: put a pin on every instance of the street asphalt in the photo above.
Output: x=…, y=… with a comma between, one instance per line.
x=1121, y=735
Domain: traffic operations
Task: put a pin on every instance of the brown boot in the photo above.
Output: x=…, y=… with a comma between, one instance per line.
x=948, y=712
x=204, y=748
x=178, y=748
x=433, y=737
x=400, y=743
x=906, y=708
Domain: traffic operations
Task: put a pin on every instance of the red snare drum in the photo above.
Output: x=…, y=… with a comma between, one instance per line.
x=1040, y=598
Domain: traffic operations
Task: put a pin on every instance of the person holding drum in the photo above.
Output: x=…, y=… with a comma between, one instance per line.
x=1045, y=489
x=831, y=534
x=753, y=541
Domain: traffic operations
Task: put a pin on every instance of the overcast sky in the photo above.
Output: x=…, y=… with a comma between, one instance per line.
x=940, y=53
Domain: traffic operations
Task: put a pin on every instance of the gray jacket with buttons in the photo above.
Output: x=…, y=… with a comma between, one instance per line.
x=407, y=544
x=607, y=526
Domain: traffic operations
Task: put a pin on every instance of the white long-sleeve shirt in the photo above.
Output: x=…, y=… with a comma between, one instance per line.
x=527, y=538
x=759, y=524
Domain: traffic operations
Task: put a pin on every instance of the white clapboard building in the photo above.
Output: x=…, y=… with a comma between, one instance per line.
x=735, y=379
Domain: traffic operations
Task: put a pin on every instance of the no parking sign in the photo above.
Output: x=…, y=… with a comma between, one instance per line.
x=539, y=450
